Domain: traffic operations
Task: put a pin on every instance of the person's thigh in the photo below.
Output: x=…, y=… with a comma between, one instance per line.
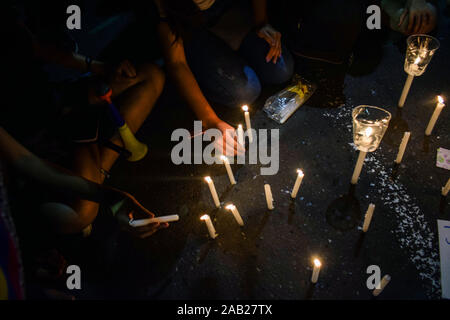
x=223, y=76
x=254, y=50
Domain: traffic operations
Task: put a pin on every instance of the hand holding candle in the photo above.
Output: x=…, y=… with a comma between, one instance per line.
x=209, y=225
x=368, y=217
x=401, y=150
x=316, y=270
x=437, y=111
x=235, y=213
x=212, y=188
x=269, y=198
x=297, y=184
x=229, y=171
x=247, y=123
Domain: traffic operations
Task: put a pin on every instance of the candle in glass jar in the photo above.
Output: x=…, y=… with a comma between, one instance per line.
x=248, y=123
x=209, y=225
x=235, y=213
x=316, y=270
x=269, y=198
x=401, y=150
x=212, y=188
x=229, y=171
x=437, y=111
x=297, y=184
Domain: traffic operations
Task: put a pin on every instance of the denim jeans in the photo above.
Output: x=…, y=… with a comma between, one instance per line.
x=232, y=78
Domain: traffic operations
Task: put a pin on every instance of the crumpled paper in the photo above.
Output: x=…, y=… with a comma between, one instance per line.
x=443, y=158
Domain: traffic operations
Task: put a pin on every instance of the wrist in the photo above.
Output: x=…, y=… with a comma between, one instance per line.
x=97, y=67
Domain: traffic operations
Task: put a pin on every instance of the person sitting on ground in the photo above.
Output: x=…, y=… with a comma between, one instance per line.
x=30, y=113
x=206, y=69
x=411, y=16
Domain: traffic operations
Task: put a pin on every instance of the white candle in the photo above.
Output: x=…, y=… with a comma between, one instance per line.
x=437, y=111
x=247, y=123
x=446, y=188
x=240, y=134
x=211, y=230
x=358, y=167
x=368, y=217
x=235, y=213
x=401, y=150
x=297, y=184
x=229, y=171
x=414, y=67
x=316, y=270
x=383, y=284
x=162, y=219
x=212, y=188
x=269, y=198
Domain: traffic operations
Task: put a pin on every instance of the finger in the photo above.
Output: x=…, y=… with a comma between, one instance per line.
x=402, y=17
x=131, y=71
x=278, y=48
x=270, y=54
x=146, y=228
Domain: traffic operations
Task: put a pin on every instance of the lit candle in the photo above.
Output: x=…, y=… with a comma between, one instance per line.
x=211, y=230
x=162, y=219
x=240, y=134
x=414, y=67
x=269, y=198
x=383, y=284
x=446, y=188
x=297, y=184
x=401, y=150
x=212, y=188
x=235, y=213
x=229, y=171
x=247, y=123
x=316, y=270
x=368, y=217
x=439, y=106
x=358, y=167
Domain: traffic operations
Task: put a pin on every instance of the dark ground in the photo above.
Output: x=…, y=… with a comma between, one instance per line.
x=270, y=257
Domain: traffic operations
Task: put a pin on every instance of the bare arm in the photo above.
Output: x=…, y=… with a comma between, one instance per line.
x=22, y=160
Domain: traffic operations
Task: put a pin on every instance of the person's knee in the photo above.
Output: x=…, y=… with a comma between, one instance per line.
x=254, y=50
x=153, y=76
x=64, y=219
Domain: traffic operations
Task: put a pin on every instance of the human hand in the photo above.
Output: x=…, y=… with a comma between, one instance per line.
x=420, y=17
x=228, y=145
x=130, y=209
x=273, y=38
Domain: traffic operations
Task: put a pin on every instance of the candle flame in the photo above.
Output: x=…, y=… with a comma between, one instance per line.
x=230, y=207
x=300, y=172
x=317, y=262
x=417, y=60
x=440, y=99
x=225, y=159
x=208, y=179
x=368, y=131
x=240, y=126
x=245, y=108
x=204, y=217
